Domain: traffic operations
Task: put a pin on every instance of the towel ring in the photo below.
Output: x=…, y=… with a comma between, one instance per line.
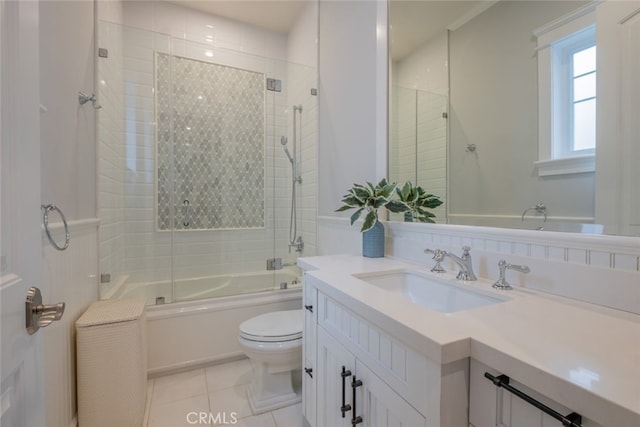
x=540, y=209
x=45, y=220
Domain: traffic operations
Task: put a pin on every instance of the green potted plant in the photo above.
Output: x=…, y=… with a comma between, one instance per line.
x=369, y=198
x=416, y=202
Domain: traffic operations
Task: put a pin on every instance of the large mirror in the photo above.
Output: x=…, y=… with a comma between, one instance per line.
x=464, y=115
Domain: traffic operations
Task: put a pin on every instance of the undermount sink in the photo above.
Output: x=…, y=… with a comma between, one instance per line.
x=429, y=292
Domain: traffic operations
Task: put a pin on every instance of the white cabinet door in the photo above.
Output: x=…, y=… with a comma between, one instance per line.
x=376, y=403
x=379, y=406
x=21, y=393
x=332, y=358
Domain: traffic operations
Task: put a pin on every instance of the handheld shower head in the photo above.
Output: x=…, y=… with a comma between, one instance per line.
x=284, y=141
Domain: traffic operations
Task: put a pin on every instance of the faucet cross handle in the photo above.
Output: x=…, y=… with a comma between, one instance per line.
x=438, y=256
x=502, y=283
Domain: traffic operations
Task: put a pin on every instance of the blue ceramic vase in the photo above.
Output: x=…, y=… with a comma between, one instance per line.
x=373, y=241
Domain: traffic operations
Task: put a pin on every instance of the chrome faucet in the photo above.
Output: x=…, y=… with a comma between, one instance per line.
x=465, y=264
x=502, y=283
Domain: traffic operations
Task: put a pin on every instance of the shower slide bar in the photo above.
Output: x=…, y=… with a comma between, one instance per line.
x=45, y=220
x=295, y=241
x=571, y=420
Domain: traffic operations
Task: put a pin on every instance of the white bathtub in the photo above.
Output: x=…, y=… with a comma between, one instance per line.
x=200, y=327
x=208, y=287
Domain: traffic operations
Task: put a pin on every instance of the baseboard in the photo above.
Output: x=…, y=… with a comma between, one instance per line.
x=194, y=364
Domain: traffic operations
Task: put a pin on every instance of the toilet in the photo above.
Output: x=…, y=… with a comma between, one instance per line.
x=273, y=342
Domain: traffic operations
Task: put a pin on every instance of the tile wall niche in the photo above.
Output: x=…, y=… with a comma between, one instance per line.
x=602, y=270
x=134, y=249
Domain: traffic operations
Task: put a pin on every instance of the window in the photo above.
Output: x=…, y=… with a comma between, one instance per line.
x=567, y=94
x=574, y=94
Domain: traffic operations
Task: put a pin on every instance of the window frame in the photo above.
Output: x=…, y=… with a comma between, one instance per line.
x=575, y=31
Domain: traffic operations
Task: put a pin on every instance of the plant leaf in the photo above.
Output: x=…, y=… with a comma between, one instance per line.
x=396, y=206
x=369, y=221
x=344, y=208
x=356, y=215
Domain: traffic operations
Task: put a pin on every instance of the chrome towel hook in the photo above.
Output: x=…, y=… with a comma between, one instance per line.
x=45, y=220
x=83, y=98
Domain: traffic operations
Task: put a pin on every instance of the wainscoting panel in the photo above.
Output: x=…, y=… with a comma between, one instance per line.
x=69, y=276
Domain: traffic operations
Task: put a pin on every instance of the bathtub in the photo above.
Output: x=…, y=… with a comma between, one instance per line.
x=207, y=287
x=200, y=326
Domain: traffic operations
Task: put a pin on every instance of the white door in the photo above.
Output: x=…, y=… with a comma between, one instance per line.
x=21, y=372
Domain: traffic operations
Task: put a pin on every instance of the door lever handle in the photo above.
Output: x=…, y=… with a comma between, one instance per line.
x=40, y=315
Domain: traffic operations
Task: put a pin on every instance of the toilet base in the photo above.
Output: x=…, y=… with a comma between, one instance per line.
x=270, y=391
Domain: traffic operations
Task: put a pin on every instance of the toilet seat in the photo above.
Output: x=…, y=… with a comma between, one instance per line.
x=277, y=326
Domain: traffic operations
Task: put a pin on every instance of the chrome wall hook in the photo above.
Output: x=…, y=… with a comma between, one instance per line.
x=83, y=98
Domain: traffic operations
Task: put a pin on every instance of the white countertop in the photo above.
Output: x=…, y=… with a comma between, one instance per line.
x=585, y=356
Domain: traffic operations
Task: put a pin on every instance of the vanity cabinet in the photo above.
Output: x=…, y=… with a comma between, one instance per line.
x=491, y=406
x=398, y=385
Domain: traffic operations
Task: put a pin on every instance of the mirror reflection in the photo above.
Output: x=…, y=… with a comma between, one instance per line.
x=467, y=119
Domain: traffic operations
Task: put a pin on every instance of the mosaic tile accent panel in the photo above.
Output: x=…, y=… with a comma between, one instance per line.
x=217, y=151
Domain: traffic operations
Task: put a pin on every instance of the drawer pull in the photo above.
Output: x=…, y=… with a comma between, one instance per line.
x=345, y=407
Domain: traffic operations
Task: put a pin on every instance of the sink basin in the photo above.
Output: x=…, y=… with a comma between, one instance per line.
x=429, y=292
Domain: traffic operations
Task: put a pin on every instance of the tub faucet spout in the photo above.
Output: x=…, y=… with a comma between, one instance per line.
x=465, y=264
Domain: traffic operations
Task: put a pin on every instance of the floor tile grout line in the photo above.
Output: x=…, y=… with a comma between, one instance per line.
x=206, y=385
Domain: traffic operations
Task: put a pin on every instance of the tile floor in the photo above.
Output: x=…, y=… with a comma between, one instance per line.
x=219, y=389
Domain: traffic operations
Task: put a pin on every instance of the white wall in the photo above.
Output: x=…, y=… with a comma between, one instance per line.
x=496, y=109
x=426, y=68
x=67, y=128
x=350, y=91
x=68, y=171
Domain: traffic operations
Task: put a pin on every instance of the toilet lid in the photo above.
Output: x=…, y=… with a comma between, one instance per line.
x=274, y=326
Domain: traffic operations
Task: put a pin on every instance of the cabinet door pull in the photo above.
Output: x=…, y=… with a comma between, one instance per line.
x=309, y=307
x=345, y=407
x=356, y=419
x=309, y=371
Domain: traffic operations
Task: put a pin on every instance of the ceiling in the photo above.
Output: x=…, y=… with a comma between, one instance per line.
x=278, y=15
x=414, y=22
